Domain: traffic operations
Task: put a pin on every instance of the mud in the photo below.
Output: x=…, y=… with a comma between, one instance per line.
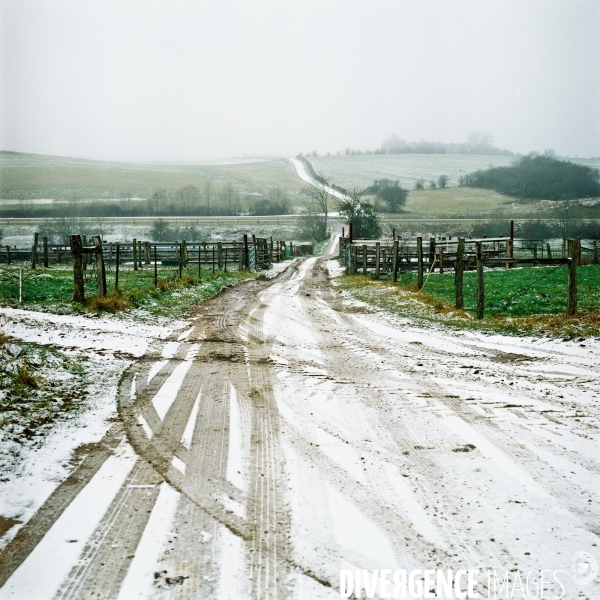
x=301, y=432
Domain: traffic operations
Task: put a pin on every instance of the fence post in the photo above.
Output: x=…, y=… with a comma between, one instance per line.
x=350, y=232
x=534, y=253
x=594, y=260
x=76, y=251
x=156, y=268
x=431, y=251
x=441, y=260
x=21, y=285
x=45, y=242
x=139, y=254
x=180, y=259
x=110, y=253
x=34, y=250
x=117, y=263
x=101, y=273
x=395, y=260
x=135, y=265
x=184, y=253
x=213, y=258
x=147, y=252
x=458, y=273
x=246, y=252
x=364, y=259
x=377, y=259
x=480, y=289
x=199, y=262
x=572, y=278
x=419, y=263
x=84, y=245
x=548, y=250
x=271, y=249
x=220, y=255
x=8, y=255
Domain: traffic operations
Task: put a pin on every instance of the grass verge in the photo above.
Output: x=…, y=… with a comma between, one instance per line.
x=528, y=301
x=38, y=386
x=51, y=290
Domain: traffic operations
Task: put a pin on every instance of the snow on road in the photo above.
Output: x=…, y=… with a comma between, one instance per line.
x=299, y=432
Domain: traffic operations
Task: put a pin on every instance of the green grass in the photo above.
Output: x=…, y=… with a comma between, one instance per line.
x=40, y=176
x=52, y=290
x=519, y=301
x=519, y=292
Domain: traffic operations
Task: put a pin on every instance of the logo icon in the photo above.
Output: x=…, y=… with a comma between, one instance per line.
x=584, y=568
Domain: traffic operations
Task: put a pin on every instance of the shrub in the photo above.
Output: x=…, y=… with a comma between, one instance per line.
x=111, y=303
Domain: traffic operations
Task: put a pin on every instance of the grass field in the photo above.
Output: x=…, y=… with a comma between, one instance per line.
x=460, y=202
x=41, y=177
x=51, y=290
x=361, y=170
x=525, y=300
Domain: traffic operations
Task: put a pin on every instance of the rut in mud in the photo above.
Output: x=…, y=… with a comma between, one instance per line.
x=289, y=434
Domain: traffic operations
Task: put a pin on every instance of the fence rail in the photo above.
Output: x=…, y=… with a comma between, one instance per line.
x=94, y=255
x=382, y=259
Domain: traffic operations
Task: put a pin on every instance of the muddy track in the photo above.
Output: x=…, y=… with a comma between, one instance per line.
x=292, y=432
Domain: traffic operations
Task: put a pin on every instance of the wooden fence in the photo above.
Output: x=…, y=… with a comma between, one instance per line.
x=216, y=254
x=250, y=253
x=384, y=259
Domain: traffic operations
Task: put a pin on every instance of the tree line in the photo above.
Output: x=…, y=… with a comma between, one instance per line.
x=186, y=201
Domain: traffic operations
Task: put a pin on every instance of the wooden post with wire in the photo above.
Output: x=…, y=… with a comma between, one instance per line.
x=395, y=261
x=377, y=259
x=419, y=263
x=100, y=271
x=431, y=252
x=117, y=265
x=139, y=253
x=364, y=260
x=155, y=269
x=45, y=242
x=480, y=286
x=77, y=253
x=510, y=244
x=573, y=247
x=34, y=250
x=458, y=273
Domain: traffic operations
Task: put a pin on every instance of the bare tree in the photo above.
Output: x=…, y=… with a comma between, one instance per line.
x=317, y=211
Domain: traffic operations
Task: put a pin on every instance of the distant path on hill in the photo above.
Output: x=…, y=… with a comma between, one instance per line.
x=305, y=176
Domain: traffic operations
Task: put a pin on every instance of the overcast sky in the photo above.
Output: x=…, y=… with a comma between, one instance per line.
x=190, y=80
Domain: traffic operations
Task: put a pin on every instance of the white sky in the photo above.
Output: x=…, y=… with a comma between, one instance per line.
x=175, y=80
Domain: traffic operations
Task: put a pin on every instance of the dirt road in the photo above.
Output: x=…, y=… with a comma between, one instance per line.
x=292, y=432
